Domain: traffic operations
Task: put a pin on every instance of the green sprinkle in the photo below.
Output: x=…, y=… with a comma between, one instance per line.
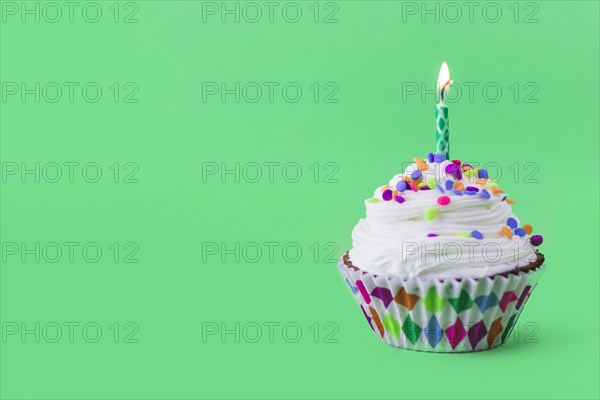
x=430, y=214
x=431, y=183
x=491, y=185
x=464, y=234
x=373, y=200
x=469, y=173
x=420, y=185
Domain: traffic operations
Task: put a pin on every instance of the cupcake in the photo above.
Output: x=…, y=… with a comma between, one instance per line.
x=440, y=263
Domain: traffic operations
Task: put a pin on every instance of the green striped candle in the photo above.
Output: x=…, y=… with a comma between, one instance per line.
x=442, y=130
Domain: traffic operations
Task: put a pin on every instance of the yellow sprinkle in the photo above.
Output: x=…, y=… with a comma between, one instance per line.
x=418, y=160
x=422, y=166
x=507, y=232
x=458, y=185
x=481, y=181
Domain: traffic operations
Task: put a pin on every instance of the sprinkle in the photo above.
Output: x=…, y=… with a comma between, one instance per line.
x=481, y=182
x=383, y=188
x=459, y=175
x=528, y=229
x=466, y=167
x=373, y=200
x=416, y=174
x=504, y=198
x=536, y=240
x=451, y=169
x=387, y=195
x=413, y=186
x=431, y=183
x=470, y=173
x=507, y=232
x=520, y=232
x=448, y=184
x=432, y=234
x=496, y=190
x=430, y=214
x=422, y=185
x=423, y=166
x=464, y=234
x=430, y=157
x=456, y=192
x=456, y=162
x=482, y=173
x=470, y=192
x=400, y=199
x=425, y=188
x=439, y=158
x=510, y=201
x=443, y=200
x=406, y=179
x=512, y=223
x=440, y=188
x=418, y=160
x=491, y=185
x=473, y=188
x=458, y=185
x=485, y=194
x=401, y=186
x=477, y=234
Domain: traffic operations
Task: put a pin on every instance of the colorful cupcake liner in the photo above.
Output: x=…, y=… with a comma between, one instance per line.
x=446, y=316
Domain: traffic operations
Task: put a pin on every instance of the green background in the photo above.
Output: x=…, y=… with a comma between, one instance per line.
x=368, y=54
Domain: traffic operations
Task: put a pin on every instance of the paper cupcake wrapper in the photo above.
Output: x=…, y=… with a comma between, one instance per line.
x=448, y=316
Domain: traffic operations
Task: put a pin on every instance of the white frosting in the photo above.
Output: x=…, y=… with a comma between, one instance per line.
x=393, y=237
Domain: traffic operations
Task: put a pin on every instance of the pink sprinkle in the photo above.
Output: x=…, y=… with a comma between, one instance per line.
x=443, y=200
x=413, y=186
x=456, y=162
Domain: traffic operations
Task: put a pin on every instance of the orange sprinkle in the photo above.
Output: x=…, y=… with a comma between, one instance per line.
x=509, y=201
x=458, y=185
x=394, y=193
x=422, y=166
x=496, y=190
x=407, y=179
x=481, y=181
x=417, y=181
x=418, y=160
x=466, y=168
x=384, y=188
x=528, y=229
x=507, y=232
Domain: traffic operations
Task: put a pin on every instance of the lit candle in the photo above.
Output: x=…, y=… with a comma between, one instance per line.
x=442, y=132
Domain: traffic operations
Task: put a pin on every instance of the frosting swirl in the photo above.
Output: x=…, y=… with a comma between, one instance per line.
x=446, y=221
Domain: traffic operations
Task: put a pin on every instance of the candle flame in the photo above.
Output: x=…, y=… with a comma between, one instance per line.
x=444, y=81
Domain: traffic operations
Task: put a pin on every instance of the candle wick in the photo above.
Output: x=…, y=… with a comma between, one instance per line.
x=446, y=85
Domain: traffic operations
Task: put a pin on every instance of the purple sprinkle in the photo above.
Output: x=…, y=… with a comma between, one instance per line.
x=536, y=240
x=477, y=234
x=472, y=188
x=425, y=188
x=416, y=174
x=470, y=192
x=432, y=235
x=439, y=187
x=467, y=165
x=439, y=158
x=485, y=194
x=451, y=168
x=459, y=174
x=456, y=192
x=482, y=173
x=401, y=186
x=449, y=184
x=430, y=157
x=400, y=199
x=387, y=195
